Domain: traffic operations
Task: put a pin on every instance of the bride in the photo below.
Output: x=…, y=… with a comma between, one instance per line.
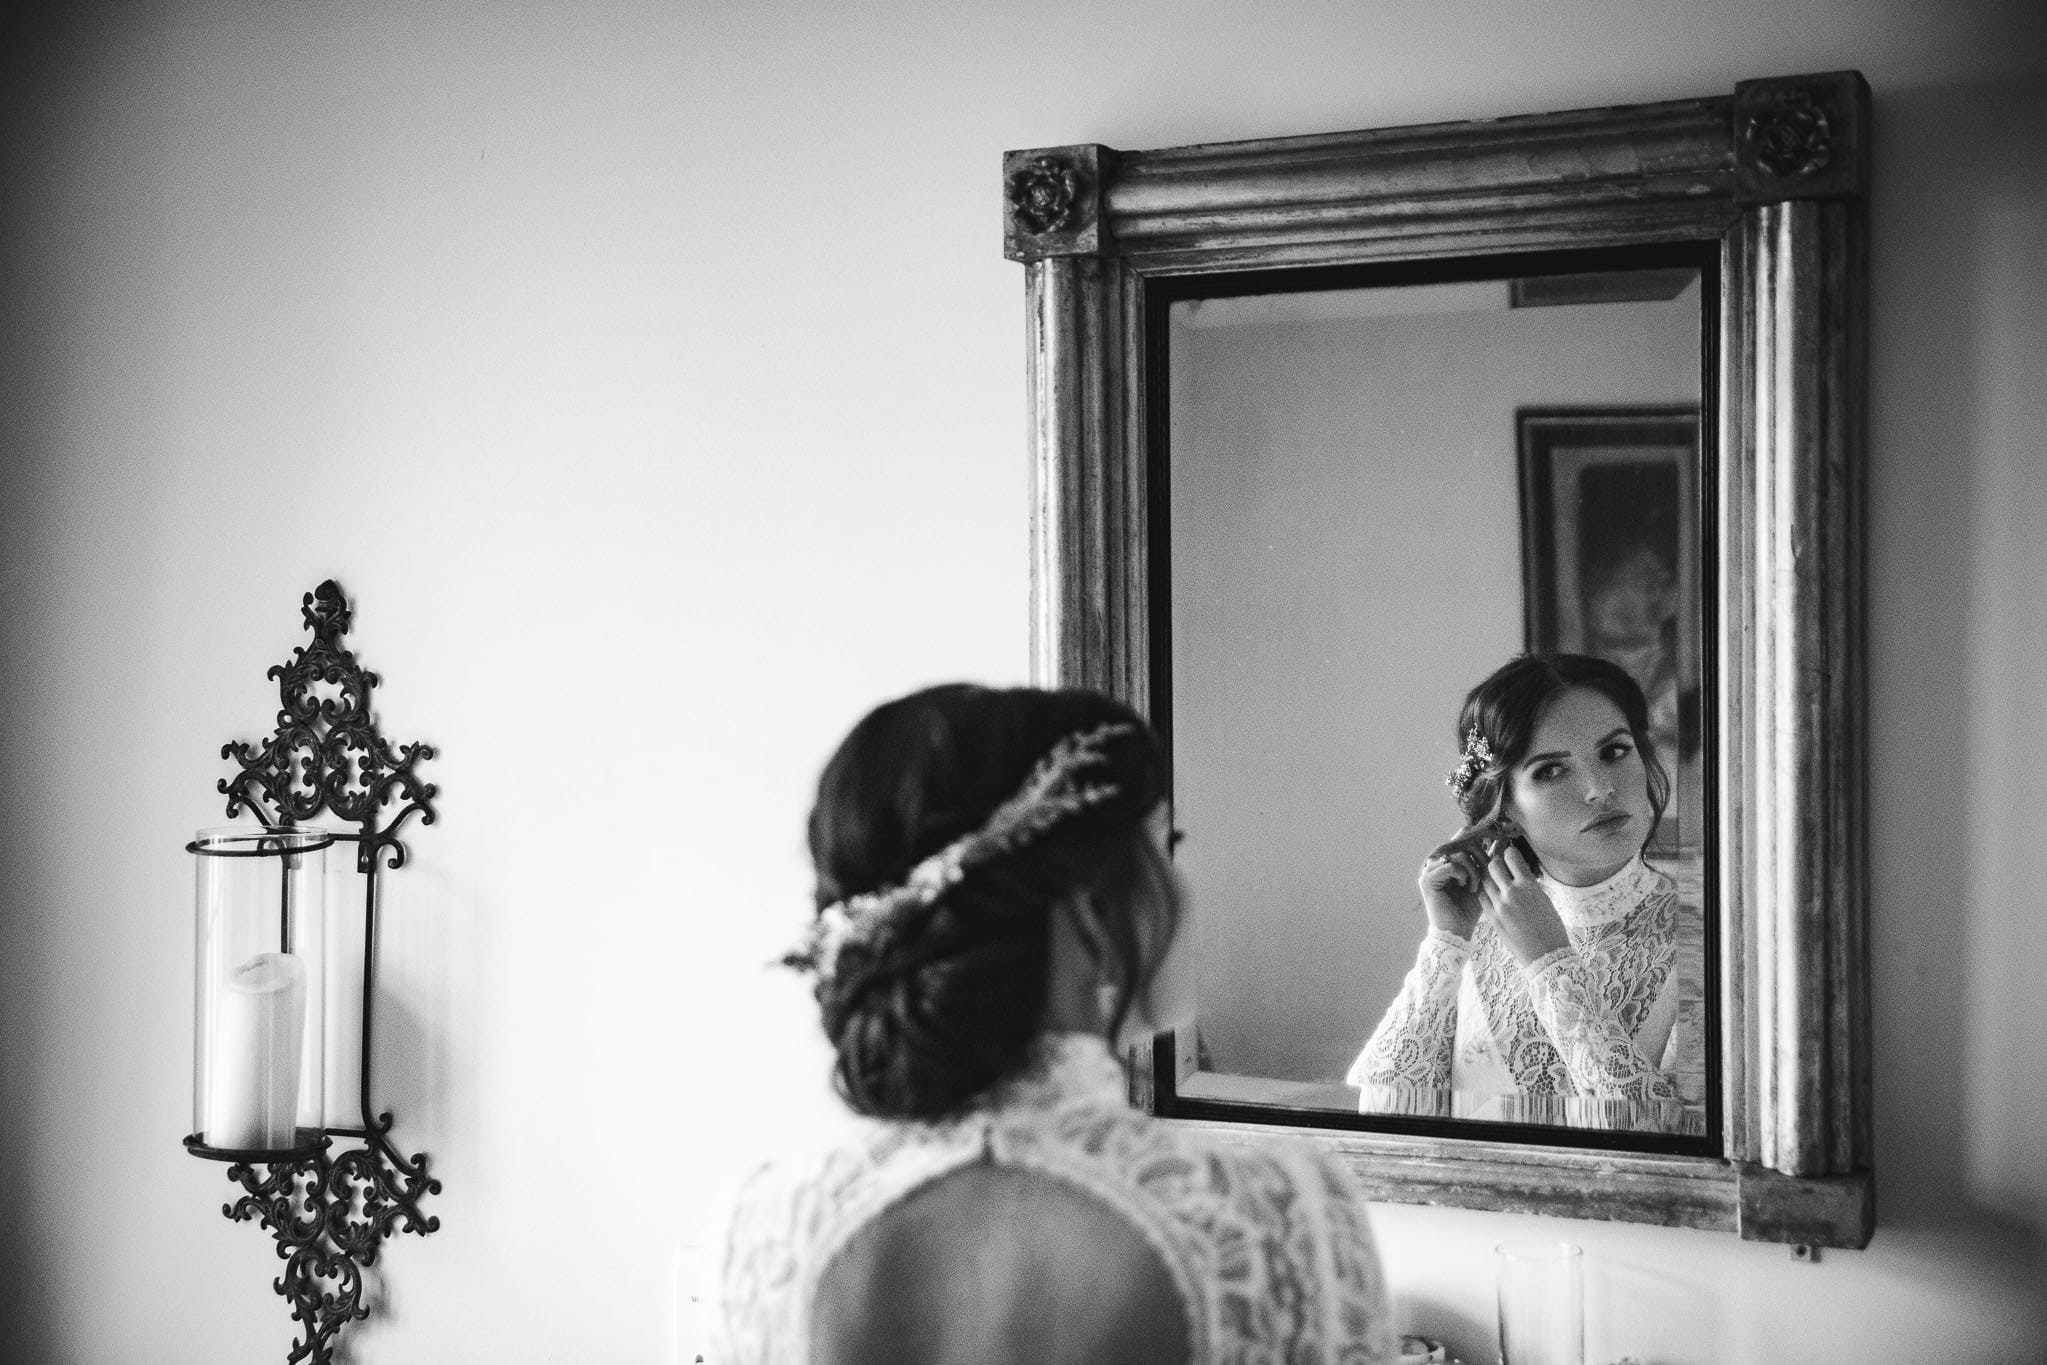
x=1547, y=989
x=994, y=898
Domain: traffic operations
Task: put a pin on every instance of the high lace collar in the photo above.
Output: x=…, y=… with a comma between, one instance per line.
x=1064, y=1068
x=1587, y=907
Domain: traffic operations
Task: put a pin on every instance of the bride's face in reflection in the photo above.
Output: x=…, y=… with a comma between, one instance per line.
x=1581, y=795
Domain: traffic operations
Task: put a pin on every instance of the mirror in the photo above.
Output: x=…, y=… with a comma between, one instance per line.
x=1324, y=430
x=1381, y=490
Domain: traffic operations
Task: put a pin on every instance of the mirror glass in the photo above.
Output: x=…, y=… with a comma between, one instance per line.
x=1376, y=491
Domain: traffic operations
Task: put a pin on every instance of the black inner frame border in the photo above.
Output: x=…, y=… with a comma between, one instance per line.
x=1158, y=294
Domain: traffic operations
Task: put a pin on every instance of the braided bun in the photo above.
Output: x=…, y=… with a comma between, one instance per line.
x=948, y=1002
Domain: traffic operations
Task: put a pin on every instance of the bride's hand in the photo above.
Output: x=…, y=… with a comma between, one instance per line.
x=1451, y=878
x=1520, y=908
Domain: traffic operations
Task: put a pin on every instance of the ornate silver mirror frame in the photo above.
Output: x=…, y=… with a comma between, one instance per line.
x=1775, y=175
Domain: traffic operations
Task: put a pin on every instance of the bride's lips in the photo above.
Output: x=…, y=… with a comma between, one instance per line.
x=1610, y=820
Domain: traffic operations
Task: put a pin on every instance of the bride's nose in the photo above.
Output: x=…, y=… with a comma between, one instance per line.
x=1596, y=792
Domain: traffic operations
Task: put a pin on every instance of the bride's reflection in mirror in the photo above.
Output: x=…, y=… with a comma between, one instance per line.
x=1376, y=490
x=1550, y=986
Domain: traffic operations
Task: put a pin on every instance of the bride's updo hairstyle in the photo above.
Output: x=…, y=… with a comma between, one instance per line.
x=1505, y=709
x=947, y=999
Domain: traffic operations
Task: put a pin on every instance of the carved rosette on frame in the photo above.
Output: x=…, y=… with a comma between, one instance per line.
x=1052, y=202
x=1801, y=137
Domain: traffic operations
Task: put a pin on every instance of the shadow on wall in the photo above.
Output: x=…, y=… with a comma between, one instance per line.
x=34, y=38
x=1958, y=753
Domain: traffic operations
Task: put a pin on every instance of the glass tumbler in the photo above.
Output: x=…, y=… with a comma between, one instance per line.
x=1542, y=1303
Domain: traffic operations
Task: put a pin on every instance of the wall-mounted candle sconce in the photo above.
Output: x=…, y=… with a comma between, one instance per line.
x=274, y=993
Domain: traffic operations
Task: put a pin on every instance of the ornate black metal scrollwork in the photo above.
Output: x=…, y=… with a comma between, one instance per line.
x=330, y=1216
x=330, y=1211
x=322, y=1282
x=326, y=753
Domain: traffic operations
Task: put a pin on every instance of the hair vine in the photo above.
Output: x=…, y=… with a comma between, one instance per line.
x=1054, y=791
x=1471, y=764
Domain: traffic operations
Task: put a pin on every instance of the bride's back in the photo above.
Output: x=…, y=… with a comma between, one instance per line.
x=995, y=898
x=997, y=1264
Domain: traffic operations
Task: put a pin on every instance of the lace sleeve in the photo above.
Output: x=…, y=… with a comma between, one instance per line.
x=1595, y=1045
x=1405, y=1067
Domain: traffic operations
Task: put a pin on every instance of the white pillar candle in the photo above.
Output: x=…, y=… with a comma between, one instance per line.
x=259, y=1026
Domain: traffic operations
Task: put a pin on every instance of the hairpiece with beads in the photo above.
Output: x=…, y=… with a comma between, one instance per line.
x=1054, y=791
x=1476, y=758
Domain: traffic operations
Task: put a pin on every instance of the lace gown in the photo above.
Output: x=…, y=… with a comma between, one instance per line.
x=1598, y=1034
x=1267, y=1245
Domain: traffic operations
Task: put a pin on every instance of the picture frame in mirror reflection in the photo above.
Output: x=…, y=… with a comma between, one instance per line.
x=1119, y=592
x=1611, y=568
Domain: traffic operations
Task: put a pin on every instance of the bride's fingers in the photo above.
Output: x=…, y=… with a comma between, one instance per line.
x=1441, y=869
x=1517, y=864
x=1462, y=842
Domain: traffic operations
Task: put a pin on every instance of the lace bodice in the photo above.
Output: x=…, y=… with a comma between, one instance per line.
x=1585, y=1036
x=1267, y=1245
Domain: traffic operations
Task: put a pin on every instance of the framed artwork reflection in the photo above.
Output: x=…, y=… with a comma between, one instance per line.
x=1610, y=566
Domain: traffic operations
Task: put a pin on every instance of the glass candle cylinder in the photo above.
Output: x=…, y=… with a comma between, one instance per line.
x=1542, y=1303
x=258, y=1029
x=345, y=928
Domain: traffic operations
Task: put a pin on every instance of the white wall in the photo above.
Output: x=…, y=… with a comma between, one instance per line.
x=651, y=376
